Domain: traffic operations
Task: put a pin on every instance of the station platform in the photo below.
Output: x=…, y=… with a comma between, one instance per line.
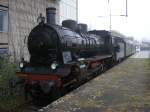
x=124, y=88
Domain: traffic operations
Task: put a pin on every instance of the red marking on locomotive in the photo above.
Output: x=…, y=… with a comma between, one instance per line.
x=40, y=77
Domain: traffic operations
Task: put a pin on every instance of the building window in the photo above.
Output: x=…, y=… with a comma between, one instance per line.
x=3, y=52
x=3, y=19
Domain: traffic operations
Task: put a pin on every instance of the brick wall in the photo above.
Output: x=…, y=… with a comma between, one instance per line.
x=3, y=37
x=22, y=18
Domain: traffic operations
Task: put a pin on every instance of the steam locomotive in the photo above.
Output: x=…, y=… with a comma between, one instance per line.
x=61, y=56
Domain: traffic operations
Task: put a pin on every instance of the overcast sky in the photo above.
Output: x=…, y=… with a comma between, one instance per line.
x=95, y=13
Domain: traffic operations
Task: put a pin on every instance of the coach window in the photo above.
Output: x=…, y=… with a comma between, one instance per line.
x=3, y=19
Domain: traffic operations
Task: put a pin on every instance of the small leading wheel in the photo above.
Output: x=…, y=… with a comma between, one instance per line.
x=55, y=93
x=40, y=98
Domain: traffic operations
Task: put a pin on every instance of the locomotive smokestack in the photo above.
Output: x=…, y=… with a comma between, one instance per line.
x=51, y=15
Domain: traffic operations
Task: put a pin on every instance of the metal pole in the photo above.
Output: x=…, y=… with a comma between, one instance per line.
x=126, y=8
x=109, y=15
x=77, y=10
x=110, y=20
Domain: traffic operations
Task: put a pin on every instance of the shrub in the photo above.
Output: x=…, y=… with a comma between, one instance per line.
x=7, y=72
x=9, y=97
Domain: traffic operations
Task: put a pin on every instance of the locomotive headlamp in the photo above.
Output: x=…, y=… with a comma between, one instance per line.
x=54, y=65
x=21, y=65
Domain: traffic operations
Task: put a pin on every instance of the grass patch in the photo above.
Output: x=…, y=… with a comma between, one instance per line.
x=147, y=63
x=148, y=60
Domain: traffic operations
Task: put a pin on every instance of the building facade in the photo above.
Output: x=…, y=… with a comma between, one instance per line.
x=68, y=10
x=18, y=17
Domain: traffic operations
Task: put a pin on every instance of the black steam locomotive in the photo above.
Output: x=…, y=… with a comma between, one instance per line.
x=64, y=55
